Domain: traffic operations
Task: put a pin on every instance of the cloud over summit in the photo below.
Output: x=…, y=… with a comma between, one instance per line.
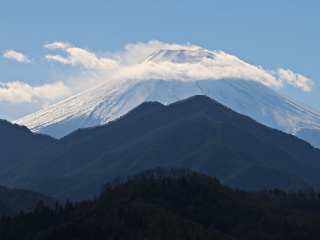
x=139, y=61
x=195, y=64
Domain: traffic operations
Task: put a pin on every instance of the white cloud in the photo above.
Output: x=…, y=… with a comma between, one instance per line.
x=11, y=54
x=295, y=79
x=57, y=58
x=57, y=45
x=79, y=56
x=18, y=92
x=201, y=64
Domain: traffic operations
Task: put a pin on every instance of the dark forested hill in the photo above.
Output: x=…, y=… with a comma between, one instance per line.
x=173, y=204
x=197, y=133
x=18, y=142
x=13, y=201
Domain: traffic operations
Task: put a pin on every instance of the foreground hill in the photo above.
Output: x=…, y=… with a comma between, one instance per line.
x=18, y=142
x=111, y=100
x=175, y=204
x=13, y=201
x=198, y=133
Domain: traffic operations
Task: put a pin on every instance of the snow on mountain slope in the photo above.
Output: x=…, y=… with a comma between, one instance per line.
x=180, y=56
x=109, y=101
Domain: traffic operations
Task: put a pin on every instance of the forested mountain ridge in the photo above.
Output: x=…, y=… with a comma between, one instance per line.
x=198, y=133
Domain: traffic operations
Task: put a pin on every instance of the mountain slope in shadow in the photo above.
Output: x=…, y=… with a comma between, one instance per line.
x=18, y=142
x=198, y=133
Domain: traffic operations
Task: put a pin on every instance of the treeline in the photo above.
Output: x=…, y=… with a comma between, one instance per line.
x=173, y=204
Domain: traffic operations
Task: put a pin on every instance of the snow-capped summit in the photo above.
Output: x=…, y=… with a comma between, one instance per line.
x=180, y=56
x=113, y=99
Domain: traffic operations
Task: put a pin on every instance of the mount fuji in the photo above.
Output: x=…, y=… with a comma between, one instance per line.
x=109, y=101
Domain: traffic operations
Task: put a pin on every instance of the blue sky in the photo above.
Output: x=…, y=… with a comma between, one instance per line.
x=273, y=34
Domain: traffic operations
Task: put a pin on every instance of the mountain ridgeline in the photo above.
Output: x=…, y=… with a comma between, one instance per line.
x=198, y=133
